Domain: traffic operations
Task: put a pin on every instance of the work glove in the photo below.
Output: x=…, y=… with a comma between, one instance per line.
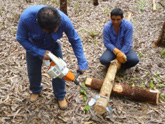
x=121, y=57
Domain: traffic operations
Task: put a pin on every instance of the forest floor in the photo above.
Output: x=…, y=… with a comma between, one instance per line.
x=89, y=21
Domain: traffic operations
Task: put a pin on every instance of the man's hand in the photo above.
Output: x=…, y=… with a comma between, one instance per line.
x=80, y=70
x=46, y=57
x=121, y=57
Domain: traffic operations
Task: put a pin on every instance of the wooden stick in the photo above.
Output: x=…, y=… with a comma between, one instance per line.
x=154, y=5
x=129, y=16
x=135, y=93
x=106, y=88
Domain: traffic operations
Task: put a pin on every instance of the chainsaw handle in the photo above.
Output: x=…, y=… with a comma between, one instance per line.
x=79, y=72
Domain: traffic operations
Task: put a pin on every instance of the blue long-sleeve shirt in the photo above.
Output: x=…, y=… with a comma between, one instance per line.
x=36, y=41
x=122, y=40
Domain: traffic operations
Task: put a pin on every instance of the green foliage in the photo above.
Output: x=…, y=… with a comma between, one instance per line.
x=160, y=84
x=158, y=7
x=85, y=99
x=56, y=2
x=135, y=78
x=141, y=54
x=77, y=7
x=83, y=92
x=156, y=75
x=147, y=73
x=93, y=33
x=83, y=85
x=86, y=108
x=131, y=83
x=141, y=5
x=106, y=11
x=95, y=41
x=163, y=53
x=151, y=85
x=142, y=85
x=162, y=97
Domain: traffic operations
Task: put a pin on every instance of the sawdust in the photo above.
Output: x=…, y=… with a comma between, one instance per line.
x=89, y=21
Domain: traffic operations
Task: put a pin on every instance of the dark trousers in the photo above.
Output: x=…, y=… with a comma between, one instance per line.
x=34, y=65
x=108, y=56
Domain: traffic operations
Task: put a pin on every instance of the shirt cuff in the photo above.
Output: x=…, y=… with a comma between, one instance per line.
x=83, y=65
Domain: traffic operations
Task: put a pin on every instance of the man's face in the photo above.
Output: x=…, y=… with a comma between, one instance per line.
x=116, y=20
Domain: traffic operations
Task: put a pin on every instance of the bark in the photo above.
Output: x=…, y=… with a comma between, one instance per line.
x=95, y=2
x=161, y=40
x=106, y=88
x=135, y=93
x=63, y=6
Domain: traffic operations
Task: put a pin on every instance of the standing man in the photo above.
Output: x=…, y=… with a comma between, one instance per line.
x=117, y=36
x=38, y=32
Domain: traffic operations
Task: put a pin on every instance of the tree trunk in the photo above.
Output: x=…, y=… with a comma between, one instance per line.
x=161, y=40
x=95, y=2
x=135, y=93
x=63, y=6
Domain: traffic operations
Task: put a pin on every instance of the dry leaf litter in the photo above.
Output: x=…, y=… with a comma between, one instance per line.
x=88, y=21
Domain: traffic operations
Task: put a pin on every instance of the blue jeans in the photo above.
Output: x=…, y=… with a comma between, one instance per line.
x=34, y=65
x=108, y=56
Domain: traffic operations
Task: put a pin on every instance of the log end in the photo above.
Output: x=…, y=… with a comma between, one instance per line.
x=88, y=81
x=157, y=96
x=99, y=108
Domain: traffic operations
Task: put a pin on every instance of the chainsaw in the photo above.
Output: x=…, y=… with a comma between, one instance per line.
x=58, y=69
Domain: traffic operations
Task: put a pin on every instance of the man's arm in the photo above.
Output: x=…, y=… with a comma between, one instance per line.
x=127, y=38
x=76, y=43
x=22, y=37
x=107, y=40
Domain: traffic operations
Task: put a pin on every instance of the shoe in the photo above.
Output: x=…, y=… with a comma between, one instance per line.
x=62, y=104
x=33, y=97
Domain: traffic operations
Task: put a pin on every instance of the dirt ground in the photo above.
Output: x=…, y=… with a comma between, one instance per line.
x=88, y=21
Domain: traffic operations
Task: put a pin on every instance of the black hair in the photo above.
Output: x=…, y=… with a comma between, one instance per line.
x=117, y=12
x=48, y=18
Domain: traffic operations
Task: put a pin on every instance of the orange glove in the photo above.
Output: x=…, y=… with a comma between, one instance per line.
x=121, y=57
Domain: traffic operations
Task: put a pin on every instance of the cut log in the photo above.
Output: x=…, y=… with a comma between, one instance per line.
x=106, y=88
x=161, y=40
x=63, y=6
x=95, y=2
x=135, y=93
x=154, y=5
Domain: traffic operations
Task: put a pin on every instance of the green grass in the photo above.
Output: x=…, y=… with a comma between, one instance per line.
x=86, y=108
x=163, y=53
x=141, y=54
